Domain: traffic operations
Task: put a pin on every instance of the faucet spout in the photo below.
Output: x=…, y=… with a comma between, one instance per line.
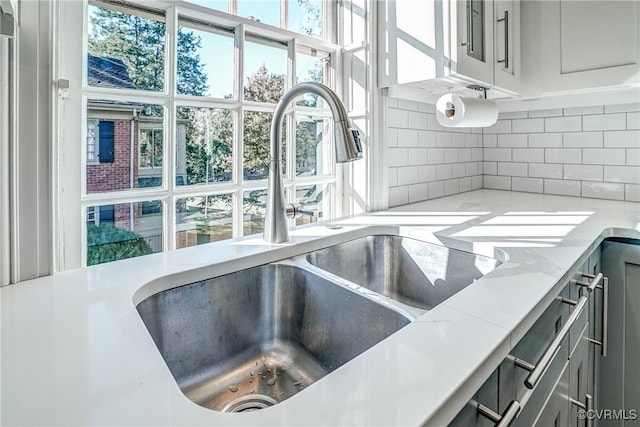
x=347, y=148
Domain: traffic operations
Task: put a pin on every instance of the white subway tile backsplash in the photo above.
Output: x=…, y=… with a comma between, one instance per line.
x=427, y=108
x=563, y=155
x=633, y=120
x=603, y=156
x=457, y=140
x=435, y=156
x=398, y=196
x=633, y=156
x=623, y=138
x=497, y=154
x=392, y=102
x=501, y=126
x=417, y=120
x=471, y=169
x=580, y=111
x=477, y=182
x=512, y=140
x=417, y=156
x=432, y=123
x=451, y=187
x=530, y=185
x=393, y=177
x=477, y=154
x=418, y=192
x=450, y=155
x=528, y=155
x=428, y=173
x=632, y=192
x=618, y=108
x=582, y=139
x=490, y=168
x=562, y=187
x=604, y=122
x=398, y=156
x=464, y=154
x=583, y=172
x=603, y=190
x=408, y=175
x=526, y=126
x=490, y=141
x=465, y=184
x=397, y=118
x=443, y=139
x=512, y=169
x=497, y=182
x=472, y=141
x=408, y=138
x=512, y=115
x=545, y=140
x=407, y=105
x=544, y=170
x=427, y=138
x=545, y=113
x=626, y=174
x=444, y=172
x=436, y=189
x=563, y=124
x=458, y=170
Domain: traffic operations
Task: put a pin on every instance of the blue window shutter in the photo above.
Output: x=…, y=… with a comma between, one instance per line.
x=106, y=142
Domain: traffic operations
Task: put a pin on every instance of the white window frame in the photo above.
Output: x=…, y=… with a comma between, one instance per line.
x=153, y=127
x=96, y=142
x=72, y=243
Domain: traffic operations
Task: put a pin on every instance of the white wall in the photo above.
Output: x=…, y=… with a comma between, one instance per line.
x=586, y=151
x=425, y=161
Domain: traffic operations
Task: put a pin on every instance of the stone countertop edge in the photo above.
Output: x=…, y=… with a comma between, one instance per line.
x=75, y=352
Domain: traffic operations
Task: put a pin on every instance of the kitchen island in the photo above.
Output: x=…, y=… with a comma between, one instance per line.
x=76, y=352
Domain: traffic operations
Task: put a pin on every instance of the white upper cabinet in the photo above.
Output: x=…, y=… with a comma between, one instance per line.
x=576, y=45
x=432, y=43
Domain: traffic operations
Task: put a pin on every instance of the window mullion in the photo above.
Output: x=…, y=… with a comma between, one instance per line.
x=170, y=160
x=284, y=14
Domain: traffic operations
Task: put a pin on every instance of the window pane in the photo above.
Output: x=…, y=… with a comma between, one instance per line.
x=204, y=141
x=205, y=60
x=311, y=67
x=124, y=230
x=125, y=51
x=257, y=127
x=203, y=219
x=312, y=144
x=305, y=16
x=254, y=209
x=316, y=198
x=265, y=11
x=128, y=141
x=222, y=5
x=265, y=68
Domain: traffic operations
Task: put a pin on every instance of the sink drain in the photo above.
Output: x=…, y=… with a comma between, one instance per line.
x=249, y=403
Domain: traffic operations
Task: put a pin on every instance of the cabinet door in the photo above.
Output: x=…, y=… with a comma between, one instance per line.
x=507, y=44
x=474, y=43
x=579, y=379
x=556, y=411
x=588, y=44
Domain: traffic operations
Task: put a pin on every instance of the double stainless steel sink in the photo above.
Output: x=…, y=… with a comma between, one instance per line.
x=250, y=339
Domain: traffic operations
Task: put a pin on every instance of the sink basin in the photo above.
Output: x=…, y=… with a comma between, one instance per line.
x=251, y=339
x=410, y=271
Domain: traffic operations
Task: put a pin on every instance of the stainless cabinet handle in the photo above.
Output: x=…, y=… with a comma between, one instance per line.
x=469, y=42
x=501, y=420
x=506, y=39
x=591, y=286
x=587, y=406
x=536, y=371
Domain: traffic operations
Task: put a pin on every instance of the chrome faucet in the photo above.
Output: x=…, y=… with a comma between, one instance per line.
x=347, y=144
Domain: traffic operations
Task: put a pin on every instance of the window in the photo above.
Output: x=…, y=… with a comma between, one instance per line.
x=181, y=157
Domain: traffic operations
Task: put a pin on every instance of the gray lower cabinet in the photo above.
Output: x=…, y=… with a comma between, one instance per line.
x=565, y=336
x=620, y=370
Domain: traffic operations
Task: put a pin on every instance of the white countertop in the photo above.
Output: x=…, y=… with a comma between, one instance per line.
x=75, y=351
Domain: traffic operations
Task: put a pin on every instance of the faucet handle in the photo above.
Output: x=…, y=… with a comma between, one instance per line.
x=296, y=210
x=357, y=139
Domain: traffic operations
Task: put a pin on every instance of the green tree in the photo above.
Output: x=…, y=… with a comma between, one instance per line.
x=106, y=243
x=139, y=43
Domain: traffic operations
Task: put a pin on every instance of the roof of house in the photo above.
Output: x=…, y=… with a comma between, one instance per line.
x=108, y=72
